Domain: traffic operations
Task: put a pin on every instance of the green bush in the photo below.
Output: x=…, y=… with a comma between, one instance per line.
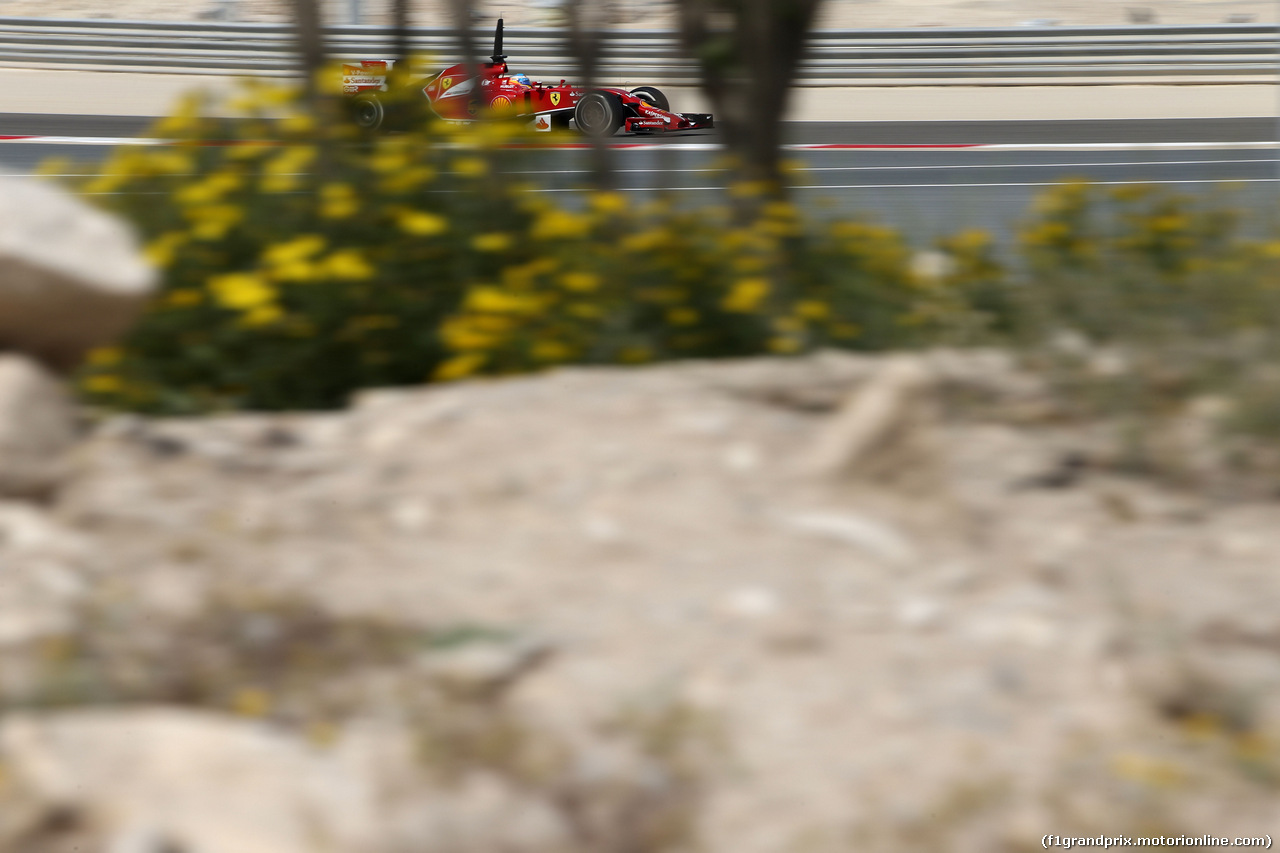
x=1144, y=265
x=303, y=260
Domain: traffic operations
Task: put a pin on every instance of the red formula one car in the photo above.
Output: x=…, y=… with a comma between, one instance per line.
x=454, y=94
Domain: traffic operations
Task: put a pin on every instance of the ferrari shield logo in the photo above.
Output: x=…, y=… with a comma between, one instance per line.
x=555, y=99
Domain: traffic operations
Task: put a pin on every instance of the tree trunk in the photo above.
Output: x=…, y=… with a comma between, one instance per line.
x=584, y=46
x=748, y=52
x=400, y=38
x=308, y=30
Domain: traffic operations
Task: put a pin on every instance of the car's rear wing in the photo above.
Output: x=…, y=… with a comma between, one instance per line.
x=365, y=75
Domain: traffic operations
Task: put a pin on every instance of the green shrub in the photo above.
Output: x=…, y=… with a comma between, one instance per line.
x=304, y=260
x=1144, y=265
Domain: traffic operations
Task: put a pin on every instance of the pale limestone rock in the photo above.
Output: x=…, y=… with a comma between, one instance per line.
x=71, y=277
x=37, y=427
x=880, y=430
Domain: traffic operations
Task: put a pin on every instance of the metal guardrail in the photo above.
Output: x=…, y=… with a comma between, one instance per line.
x=1221, y=53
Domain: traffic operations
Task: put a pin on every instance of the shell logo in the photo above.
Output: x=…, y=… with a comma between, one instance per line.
x=501, y=102
x=555, y=99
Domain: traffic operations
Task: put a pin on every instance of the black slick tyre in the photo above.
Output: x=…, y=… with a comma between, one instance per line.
x=599, y=113
x=368, y=111
x=652, y=96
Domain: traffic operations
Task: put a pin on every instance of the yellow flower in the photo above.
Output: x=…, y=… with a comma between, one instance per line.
x=161, y=251
x=468, y=333
x=300, y=248
x=746, y=295
x=812, y=309
x=183, y=298
x=845, y=330
x=784, y=344
x=608, y=202
x=460, y=366
x=551, y=351
x=583, y=282
x=780, y=210
x=421, y=224
x=165, y=162
x=645, y=241
x=748, y=189
x=241, y=291
x=788, y=324
x=338, y=201
x=470, y=167
x=292, y=260
x=635, y=355
x=263, y=315
x=209, y=190
x=322, y=733
x=213, y=221
x=407, y=179
x=251, y=702
x=494, y=300
x=389, y=159
x=348, y=264
x=104, y=356
x=1153, y=772
x=495, y=241
x=290, y=159
x=281, y=172
x=105, y=184
x=103, y=383
x=682, y=316
x=586, y=310
x=298, y=124
x=560, y=224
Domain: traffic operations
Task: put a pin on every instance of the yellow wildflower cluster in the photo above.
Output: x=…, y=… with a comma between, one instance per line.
x=305, y=260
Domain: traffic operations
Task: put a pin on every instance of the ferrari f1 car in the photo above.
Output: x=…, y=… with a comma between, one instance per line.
x=489, y=90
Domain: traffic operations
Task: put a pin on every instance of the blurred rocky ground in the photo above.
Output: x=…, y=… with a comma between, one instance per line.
x=834, y=602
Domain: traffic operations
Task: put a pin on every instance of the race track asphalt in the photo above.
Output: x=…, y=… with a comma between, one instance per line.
x=926, y=190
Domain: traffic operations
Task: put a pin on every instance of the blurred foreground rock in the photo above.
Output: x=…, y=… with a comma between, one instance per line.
x=627, y=609
x=37, y=427
x=71, y=277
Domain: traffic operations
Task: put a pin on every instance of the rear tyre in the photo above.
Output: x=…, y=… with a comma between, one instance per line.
x=368, y=111
x=599, y=113
x=652, y=96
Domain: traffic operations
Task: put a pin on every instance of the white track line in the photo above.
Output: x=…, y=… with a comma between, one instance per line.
x=1230, y=181
x=709, y=146
x=968, y=166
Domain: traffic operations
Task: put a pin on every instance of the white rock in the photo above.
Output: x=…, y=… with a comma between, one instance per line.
x=874, y=537
x=37, y=426
x=71, y=277
x=751, y=602
x=208, y=783
x=919, y=612
x=878, y=427
x=742, y=457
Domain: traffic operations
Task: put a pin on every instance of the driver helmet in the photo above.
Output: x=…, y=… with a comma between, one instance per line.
x=522, y=79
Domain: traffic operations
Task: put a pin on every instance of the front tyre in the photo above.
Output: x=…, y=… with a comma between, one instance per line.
x=368, y=111
x=652, y=96
x=599, y=113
